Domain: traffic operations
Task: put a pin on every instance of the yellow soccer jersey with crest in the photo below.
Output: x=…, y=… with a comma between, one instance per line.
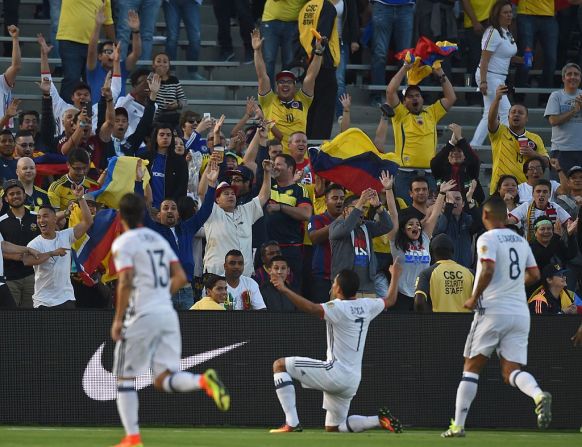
x=506, y=156
x=289, y=116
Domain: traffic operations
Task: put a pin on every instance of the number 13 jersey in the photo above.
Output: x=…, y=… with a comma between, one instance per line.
x=150, y=257
x=512, y=255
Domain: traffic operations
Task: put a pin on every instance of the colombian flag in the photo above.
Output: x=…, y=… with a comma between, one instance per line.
x=49, y=164
x=93, y=251
x=425, y=56
x=120, y=180
x=352, y=160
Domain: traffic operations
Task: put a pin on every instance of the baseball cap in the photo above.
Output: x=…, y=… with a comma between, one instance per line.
x=11, y=183
x=574, y=169
x=286, y=74
x=411, y=88
x=243, y=171
x=223, y=186
x=230, y=154
x=552, y=270
x=442, y=242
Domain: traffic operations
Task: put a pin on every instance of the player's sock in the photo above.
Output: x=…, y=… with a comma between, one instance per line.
x=181, y=382
x=465, y=394
x=525, y=382
x=128, y=406
x=357, y=424
x=286, y=394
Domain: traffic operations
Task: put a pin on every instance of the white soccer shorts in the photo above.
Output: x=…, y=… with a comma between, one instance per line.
x=151, y=341
x=338, y=386
x=508, y=334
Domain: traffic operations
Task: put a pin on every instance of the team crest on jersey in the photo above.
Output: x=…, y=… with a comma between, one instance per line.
x=289, y=192
x=330, y=304
x=483, y=249
x=33, y=227
x=531, y=144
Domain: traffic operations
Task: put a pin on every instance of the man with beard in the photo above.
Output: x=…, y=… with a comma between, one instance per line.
x=180, y=234
x=286, y=212
x=34, y=197
x=511, y=146
x=19, y=227
x=243, y=291
x=319, y=234
x=534, y=170
x=573, y=199
x=415, y=133
x=527, y=213
x=418, y=192
x=351, y=237
x=24, y=144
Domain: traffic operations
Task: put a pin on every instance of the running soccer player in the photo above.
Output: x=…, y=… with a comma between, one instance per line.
x=347, y=320
x=146, y=326
x=502, y=320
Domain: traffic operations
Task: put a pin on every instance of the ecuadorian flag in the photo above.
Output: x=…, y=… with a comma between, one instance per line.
x=352, y=160
x=120, y=179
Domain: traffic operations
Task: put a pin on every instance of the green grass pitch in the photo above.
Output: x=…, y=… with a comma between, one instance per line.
x=253, y=437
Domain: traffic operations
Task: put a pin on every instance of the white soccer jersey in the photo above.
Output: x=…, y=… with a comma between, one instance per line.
x=150, y=256
x=512, y=255
x=5, y=96
x=347, y=327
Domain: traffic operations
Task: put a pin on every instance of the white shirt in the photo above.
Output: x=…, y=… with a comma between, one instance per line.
x=5, y=96
x=52, y=278
x=505, y=294
x=503, y=49
x=347, y=326
x=150, y=257
x=250, y=286
x=60, y=106
x=525, y=191
x=520, y=213
x=231, y=231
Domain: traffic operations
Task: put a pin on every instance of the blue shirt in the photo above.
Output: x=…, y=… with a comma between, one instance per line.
x=96, y=78
x=158, y=181
x=7, y=169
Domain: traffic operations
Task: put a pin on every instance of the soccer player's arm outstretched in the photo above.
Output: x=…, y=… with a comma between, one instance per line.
x=303, y=304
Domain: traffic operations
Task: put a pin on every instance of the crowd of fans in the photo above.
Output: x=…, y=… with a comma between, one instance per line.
x=242, y=208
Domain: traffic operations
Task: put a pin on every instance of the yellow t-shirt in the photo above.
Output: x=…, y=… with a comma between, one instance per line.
x=77, y=19
x=447, y=284
x=481, y=9
x=506, y=156
x=536, y=7
x=285, y=11
x=290, y=116
x=415, y=136
x=207, y=303
x=60, y=193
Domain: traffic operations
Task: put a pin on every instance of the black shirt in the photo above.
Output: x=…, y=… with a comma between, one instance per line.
x=280, y=226
x=19, y=232
x=275, y=300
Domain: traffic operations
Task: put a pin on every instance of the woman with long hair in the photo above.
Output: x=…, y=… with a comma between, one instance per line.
x=507, y=189
x=498, y=51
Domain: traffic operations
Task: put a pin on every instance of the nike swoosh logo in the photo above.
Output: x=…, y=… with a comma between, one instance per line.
x=100, y=384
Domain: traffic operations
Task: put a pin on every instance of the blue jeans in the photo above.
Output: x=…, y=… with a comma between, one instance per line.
x=278, y=34
x=74, y=60
x=388, y=22
x=55, y=15
x=340, y=75
x=183, y=299
x=148, y=13
x=547, y=32
x=402, y=183
x=189, y=12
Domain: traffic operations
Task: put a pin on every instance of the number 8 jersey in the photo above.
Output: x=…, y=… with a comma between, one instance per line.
x=150, y=256
x=512, y=255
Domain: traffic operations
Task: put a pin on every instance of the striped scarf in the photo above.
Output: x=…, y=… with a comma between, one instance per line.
x=550, y=212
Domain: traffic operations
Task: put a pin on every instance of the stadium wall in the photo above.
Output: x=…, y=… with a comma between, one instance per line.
x=52, y=361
